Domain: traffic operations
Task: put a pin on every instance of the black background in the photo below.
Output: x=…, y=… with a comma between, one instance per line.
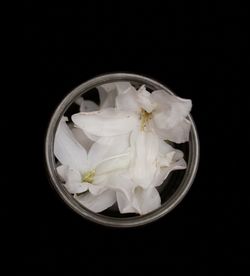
x=198, y=51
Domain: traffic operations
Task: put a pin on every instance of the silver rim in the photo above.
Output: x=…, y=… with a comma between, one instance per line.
x=174, y=200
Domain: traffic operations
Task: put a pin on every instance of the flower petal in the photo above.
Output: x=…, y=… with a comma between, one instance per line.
x=170, y=116
x=146, y=200
x=124, y=193
x=166, y=160
x=113, y=164
x=107, y=94
x=76, y=187
x=145, y=99
x=88, y=106
x=79, y=100
x=123, y=86
x=133, y=199
x=106, y=122
x=164, y=172
x=164, y=147
x=177, y=134
x=82, y=138
x=124, y=204
x=175, y=108
x=72, y=179
x=109, y=100
x=145, y=149
x=107, y=147
x=97, y=203
x=128, y=100
x=109, y=91
x=67, y=150
x=62, y=172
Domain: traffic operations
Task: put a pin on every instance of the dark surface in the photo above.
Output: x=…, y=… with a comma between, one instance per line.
x=198, y=52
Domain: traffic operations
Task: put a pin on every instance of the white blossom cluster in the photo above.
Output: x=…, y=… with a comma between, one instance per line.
x=120, y=152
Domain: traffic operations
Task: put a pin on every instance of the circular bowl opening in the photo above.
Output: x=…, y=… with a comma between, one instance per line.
x=173, y=189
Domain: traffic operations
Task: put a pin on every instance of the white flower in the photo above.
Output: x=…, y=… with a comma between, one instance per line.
x=159, y=112
x=90, y=171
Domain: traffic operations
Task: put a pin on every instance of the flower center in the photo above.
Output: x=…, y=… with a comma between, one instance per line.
x=88, y=176
x=144, y=117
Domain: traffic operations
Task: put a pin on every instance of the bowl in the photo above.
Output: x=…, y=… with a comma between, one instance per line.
x=173, y=189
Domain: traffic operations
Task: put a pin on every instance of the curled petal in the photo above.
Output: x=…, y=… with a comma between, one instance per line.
x=146, y=200
x=124, y=204
x=164, y=172
x=97, y=203
x=67, y=149
x=106, y=122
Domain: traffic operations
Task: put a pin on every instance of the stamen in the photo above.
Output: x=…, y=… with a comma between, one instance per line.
x=144, y=117
x=88, y=176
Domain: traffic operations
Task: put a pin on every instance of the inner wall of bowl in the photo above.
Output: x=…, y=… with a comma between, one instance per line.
x=173, y=181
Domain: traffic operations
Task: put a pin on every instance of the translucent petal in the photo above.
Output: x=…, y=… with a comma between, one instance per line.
x=109, y=91
x=177, y=134
x=128, y=100
x=88, y=106
x=170, y=109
